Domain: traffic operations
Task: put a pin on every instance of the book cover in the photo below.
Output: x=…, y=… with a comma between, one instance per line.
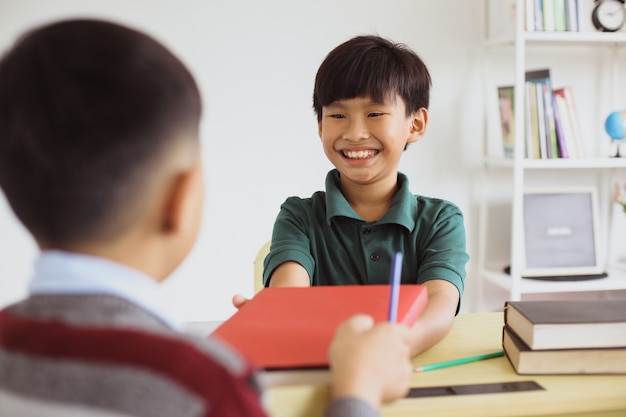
x=561, y=361
x=560, y=18
x=551, y=141
x=541, y=121
x=507, y=119
x=548, y=15
x=566, y=125
x=573, y=15
x=528, y=122
x=538, y=15
x=567, y=95
x=291, y=328
x=559, y=131
x=568, y=324
x=534, y=121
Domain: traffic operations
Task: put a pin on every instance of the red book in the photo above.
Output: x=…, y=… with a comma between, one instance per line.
x=290, y=328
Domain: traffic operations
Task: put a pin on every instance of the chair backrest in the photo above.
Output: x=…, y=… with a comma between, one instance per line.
x=258, y=266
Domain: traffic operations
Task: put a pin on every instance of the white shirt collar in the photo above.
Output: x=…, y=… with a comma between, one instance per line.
x=58, y=272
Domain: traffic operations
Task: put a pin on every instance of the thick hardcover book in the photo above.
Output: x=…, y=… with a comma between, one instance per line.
x=568, y=324
x=562, y=361
x=291, y=328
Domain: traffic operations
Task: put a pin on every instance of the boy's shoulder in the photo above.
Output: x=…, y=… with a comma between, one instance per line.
x=434, y=208
x=113, y=320
x=317, y=199
x=162, y=365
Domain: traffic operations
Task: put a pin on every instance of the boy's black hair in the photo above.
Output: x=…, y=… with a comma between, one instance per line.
x=87, y=110
x=371, y=66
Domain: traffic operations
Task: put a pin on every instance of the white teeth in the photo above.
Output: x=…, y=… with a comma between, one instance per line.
x=359, y=154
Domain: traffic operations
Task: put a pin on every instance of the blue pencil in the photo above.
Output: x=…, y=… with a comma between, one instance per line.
x=396, y=272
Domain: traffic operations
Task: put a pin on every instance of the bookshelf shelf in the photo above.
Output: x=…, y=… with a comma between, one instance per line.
x=616, y=280
x=561, y=163
x=575, y=39
x=594, y=58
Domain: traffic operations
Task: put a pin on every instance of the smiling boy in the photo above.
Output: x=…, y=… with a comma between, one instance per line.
x=371, y=98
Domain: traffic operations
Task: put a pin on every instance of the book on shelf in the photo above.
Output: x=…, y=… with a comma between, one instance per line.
x=550, y=119
x=560, y=128
x=532, y=123
x=565, y=95
x=538, y=15
x=291, y=328
x=506, y=107
x=560, y=16
x=572, y=16
x=542, y=114
x=568, y=324
x=552, y=15
x=548, y=15
x=548, y=105
x=562, y=361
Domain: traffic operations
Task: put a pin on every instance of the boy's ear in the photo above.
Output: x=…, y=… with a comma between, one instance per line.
x=319, y=128
x=185, y=202
x=419, y=120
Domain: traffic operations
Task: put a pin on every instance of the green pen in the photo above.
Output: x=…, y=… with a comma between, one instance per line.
x=455, y=362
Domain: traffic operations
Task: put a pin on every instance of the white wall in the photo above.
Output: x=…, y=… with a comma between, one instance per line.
x=255, y=61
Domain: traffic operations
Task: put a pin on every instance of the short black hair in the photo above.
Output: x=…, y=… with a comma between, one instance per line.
x=375, y=67
x=87, y=109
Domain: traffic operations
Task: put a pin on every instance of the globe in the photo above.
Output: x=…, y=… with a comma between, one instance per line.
x=615, y=125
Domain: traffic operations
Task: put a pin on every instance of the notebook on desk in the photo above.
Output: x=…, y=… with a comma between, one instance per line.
x=291, y=328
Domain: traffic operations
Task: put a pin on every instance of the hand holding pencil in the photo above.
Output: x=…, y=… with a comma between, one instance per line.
x=372, y=361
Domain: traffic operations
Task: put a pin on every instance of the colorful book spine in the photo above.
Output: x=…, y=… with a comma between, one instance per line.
x=560, y=135
x=551, y=141
x=569, y=117
x=548, y=16
x=560, y=17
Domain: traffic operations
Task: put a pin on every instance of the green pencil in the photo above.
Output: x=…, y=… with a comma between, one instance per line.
x=455, y=362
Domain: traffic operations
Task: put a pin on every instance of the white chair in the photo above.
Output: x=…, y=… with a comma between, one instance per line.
x=258, y=266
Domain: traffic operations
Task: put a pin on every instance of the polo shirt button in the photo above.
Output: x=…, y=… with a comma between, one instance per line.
x=374, y=256
x=366, y=230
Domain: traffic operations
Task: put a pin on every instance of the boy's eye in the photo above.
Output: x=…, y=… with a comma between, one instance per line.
x=374, y=114
x=337, y=116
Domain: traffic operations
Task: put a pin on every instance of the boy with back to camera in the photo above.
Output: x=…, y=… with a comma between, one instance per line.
x=100, y=160
x=371, y=98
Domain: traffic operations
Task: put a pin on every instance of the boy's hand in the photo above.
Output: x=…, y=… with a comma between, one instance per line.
x=239, y=300
x=371, y=362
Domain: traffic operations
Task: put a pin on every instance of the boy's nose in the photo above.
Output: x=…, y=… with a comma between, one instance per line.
x=356, y=131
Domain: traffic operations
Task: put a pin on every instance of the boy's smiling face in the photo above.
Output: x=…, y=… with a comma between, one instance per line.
x=364, y=140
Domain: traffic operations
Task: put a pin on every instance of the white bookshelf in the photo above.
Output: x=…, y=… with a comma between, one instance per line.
x=518, y=172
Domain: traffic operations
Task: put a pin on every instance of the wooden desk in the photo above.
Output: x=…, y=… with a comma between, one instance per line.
x=473, y=334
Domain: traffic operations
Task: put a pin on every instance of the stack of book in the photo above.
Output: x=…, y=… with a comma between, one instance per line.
x=552, y=16
x=566, y=336
x=550, y=118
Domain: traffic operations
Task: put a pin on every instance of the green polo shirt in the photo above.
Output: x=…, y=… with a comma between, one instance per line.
x=337, y=247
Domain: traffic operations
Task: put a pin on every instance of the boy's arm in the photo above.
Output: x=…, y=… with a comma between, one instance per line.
x=290, y=274
x=438, y=316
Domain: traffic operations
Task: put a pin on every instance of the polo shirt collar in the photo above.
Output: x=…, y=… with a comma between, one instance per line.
x=403, y=209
